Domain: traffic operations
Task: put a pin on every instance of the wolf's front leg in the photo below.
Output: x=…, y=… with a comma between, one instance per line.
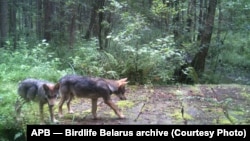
x=52, y=117
x=110, y=103
x=94, y=107
x=41, y=113
x=60, y=114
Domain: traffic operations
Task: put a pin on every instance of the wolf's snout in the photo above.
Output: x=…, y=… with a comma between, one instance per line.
x=122, y=97
x=52, y=102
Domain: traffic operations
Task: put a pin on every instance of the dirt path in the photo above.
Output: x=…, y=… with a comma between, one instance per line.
x=198, y=104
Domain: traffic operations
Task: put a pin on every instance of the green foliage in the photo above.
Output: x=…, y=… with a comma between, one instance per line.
x=86, y=59
x=228, y=62
x=161, y=9
x=143, y=59
x=191, y=74
x=16, y=65
x=9, y=128
x=171, y=58
x=142, y=47
x=238, y=50
x=24, y=62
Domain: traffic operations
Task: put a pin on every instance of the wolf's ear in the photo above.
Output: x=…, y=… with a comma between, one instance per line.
x=57, y=86
x=46, y=87
x=112, y=88
x=122, y=82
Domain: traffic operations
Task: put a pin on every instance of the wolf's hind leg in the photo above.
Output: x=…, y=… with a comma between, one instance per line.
x=18, y=106
x=31, y=93
x=68, y=104
x=62, y=100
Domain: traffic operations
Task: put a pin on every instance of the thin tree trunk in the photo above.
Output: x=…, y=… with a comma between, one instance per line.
x=219, y=41
x=176, y=21
x=3, y=22
x=107, y=29
x=101, y=16
x=47, y=19
x=191, y=20
x=27, y=18
x=72, y=27
x=39, y=20
x=92, y=21
x=199, y=60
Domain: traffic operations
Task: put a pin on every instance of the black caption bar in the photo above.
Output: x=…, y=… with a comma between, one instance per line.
x=168, y=131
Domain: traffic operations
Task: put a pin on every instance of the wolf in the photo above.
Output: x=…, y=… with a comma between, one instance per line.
x=93, y=88
x=40, y=91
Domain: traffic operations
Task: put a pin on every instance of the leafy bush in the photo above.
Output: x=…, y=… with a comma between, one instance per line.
x=24, y=62
x=9, y=128
x=86, y=59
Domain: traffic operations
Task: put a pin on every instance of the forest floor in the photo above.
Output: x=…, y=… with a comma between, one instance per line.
x=178, y=104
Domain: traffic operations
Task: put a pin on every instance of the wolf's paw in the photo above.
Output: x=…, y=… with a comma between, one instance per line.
x=42, y=123
x=71, y=112
x=55, y=121
x=60, y=115
x=97, y=118
x=122, y=117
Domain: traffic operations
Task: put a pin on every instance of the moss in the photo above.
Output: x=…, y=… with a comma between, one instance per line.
x=125, y=104
x=245, y=95
x=178, y=93
x=195, y=89
x=133, y=88
x=238, y=113
x=224, y=121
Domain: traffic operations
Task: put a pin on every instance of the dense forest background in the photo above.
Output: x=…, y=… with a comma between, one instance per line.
x=159, y=41
x=148, y=41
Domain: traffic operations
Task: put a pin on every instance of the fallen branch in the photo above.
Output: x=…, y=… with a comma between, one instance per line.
x=140, y=112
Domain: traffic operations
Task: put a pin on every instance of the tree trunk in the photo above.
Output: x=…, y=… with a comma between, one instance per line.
x=27, y=18
x=3, y=22
x=96, y=19
x=201, y=19
x=47, y=19
x=191, y=21
x=101, y=16
x=176, y=21
x=13, y=27
x=92, y=21
x=199, y=60
x=107, y=29
x=39, y=19
x=72, y=26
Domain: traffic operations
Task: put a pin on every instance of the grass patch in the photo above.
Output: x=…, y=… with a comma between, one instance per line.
x=125, y=104
x=178, y=116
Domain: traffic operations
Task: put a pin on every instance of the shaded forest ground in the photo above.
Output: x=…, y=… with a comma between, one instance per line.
x=180, y=104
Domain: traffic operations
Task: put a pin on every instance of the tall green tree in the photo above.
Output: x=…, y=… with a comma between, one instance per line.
x=4, y=25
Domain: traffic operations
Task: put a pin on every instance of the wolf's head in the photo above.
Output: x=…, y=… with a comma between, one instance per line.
x=120, y=91
x=51, y=93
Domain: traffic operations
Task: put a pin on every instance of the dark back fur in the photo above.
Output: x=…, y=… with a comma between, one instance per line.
x=90, y=87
